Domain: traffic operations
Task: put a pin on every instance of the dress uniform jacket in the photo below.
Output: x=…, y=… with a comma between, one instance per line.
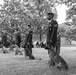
x=52, y=32
x=28, y=40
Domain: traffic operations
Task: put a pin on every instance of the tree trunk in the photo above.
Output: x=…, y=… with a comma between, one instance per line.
x=69, y=41
x=11, y=47
x=40, y=36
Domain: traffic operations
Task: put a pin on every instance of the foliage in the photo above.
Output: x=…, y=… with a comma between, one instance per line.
x=20, y=13
x=70, y=19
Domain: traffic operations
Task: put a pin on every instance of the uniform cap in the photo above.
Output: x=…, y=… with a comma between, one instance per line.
x=51, y=14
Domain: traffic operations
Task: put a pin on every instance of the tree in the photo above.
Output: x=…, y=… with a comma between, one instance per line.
x=38, y=10
x=20, y=13
x=70, y=19
x=9, y=14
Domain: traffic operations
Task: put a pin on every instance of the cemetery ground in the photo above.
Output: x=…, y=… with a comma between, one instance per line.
x=11, y=64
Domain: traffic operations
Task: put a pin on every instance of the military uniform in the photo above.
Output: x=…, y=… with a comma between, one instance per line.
x=28, y=40
x=52, y=33
x=18, y=43
x=28, y=44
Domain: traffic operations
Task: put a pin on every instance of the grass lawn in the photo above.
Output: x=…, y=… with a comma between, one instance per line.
x=11, y=64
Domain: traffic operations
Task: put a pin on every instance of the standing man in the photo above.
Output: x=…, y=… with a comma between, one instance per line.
x=28, y=43
x=52, y=31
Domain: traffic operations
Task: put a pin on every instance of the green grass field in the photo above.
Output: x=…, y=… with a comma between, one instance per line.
x=11, y=64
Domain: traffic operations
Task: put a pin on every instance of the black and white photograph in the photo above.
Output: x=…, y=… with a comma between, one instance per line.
x=37, y=37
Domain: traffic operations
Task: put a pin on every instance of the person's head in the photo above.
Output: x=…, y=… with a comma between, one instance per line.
x=50, y=16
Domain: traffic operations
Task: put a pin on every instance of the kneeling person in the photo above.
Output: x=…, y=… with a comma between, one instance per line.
x=5, y=43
